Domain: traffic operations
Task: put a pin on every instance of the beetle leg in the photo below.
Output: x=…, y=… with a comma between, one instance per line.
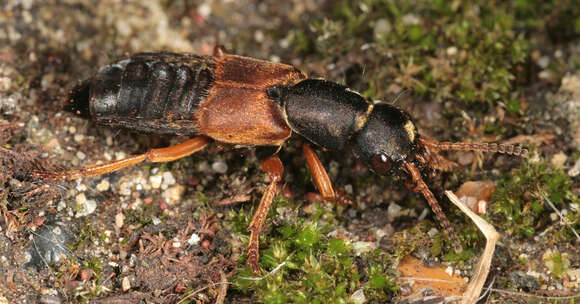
x=321, y=179
x=274, y=168
x=422, y=187
x=154, y=155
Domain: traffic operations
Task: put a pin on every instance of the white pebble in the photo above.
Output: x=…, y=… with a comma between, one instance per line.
x=543, y=62
x=126, y=284
x=220, y=167
x=204, y=10
x=104, y=185
x=358, y=297
x=451, y=51
x=156, y=180
x=84, y=205
x=168, y=178
x=194, y=239
x=79, y=137
x=173, y=195
x=125, y=189
x=393, y=210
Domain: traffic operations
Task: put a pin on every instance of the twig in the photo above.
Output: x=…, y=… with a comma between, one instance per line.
x=223, y=289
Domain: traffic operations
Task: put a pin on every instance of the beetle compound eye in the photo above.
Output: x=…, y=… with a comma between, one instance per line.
x=274, y=92
x=382, y=163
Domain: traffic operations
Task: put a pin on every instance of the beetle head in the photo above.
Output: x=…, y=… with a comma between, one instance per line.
x=388, y=139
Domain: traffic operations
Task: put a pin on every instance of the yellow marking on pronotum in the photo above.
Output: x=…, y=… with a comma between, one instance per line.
x=410, y=128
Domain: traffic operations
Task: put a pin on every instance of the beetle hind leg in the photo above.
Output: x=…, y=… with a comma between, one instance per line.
x=154, y=155
x=274, y=168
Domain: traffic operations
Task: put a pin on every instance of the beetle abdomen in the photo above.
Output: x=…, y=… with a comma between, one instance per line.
x=150, y=92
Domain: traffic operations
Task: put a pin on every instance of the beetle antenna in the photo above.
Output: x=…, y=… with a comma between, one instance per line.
x=484, y=147
x=399, y=96
x=435, y=207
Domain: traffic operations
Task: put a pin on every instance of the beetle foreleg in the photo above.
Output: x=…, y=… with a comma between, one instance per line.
x=154, y=155
x=422, y=187
x=321, y=179
x=274, y=168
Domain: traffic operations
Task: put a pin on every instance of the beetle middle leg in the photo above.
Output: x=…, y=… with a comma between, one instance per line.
x=274, y=168
x=321, y=179
x=154, y=155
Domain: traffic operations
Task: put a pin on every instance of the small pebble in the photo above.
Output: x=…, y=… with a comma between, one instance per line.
x=451, y=51
x=432, y=232
x=156, y=180
x=126, y=284
x=363, y=247
x=125, y=189
x=173, y=194
x=348, y=189
x=382, y=27
x=543, y=62
x=193, y=239
x=309, y=209
x=119, y=220
x=168, y=178
x=358, y=297
x=204, y=10
x=393, y=210
x=410, y=19
x=558, y=160
x=259, y=36
x=104, y=185
x=449, y=270
x=575, y=170
x=219, y=167
x=84, y=205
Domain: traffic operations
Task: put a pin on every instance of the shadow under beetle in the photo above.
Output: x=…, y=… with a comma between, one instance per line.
x=247, y=102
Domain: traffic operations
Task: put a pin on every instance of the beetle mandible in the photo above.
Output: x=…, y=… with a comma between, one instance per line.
x=246, y=102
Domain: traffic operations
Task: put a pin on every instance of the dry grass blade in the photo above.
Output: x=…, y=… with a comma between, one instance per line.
x=475, y=287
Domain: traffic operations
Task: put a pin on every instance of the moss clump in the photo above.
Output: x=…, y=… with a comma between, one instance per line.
x=317, y=268
x=521, y=198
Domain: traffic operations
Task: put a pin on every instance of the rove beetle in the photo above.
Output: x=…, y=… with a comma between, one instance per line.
x=246, y=102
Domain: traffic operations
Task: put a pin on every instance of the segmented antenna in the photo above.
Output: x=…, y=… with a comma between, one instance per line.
x=484, y=147
x=422, y=187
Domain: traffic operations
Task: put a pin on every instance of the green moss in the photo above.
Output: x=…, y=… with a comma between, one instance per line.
x=558, y=263
x=520, y=199
x=96, y=266
x=316, y=268
x=467, y=51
